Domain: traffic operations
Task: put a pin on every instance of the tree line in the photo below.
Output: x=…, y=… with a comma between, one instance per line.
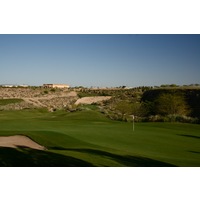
x=164, y=105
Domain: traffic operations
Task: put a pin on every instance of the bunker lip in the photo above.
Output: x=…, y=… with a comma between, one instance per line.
x=19, y=140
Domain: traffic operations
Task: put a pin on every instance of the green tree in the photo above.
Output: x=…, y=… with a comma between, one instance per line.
x=123, y=108
x=171, y=104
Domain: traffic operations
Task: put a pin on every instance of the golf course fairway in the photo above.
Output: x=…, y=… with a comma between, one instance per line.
x=88, y=138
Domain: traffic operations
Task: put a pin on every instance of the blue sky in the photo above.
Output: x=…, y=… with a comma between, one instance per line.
x=100, y=60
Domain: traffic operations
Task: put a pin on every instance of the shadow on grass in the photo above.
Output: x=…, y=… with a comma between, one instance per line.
x=26, y=157
x=195, y=152
x=127, y=160
x=192, y=136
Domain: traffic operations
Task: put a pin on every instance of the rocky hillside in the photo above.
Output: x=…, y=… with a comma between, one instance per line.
x=35, y=98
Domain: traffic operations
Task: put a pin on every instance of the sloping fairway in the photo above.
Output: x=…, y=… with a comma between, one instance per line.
x=88, y=138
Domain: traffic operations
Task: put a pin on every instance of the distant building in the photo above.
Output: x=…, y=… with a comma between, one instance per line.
x=8, y=85
x=55, y=86
x=12, y=86
x=25, y=86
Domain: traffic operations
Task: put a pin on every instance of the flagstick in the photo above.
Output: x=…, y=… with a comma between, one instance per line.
x=133, y=123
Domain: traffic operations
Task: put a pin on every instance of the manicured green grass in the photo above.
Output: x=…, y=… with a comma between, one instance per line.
x=88, y=138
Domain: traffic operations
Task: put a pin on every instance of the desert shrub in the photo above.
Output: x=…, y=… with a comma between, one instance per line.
x=169, y=118
x=9, y=101
x=184, y=119
x=53, y=90
x=46, y=92
x=72, y=108
x=155, y=118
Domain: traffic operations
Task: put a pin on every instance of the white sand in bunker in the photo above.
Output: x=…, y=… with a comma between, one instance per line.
x=19, y=140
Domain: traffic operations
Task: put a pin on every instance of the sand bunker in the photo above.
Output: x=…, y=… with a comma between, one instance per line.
x=90, y=100
x=19, y=140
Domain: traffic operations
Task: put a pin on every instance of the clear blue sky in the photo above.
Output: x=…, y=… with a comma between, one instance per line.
x=100, y=60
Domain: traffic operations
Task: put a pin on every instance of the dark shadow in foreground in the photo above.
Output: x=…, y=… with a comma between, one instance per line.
x=127, y=160
x=26, y=157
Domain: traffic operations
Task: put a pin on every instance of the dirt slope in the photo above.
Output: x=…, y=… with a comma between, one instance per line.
x=90, y=100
